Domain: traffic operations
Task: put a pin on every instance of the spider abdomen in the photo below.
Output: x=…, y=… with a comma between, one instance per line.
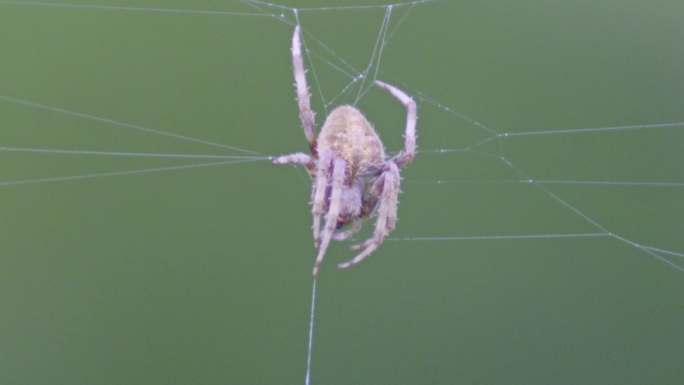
x=349, y=135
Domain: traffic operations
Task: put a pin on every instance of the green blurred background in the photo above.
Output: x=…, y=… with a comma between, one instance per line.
x=202, y=276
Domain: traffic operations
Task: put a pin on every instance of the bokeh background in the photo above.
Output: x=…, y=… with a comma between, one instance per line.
x=202, y=276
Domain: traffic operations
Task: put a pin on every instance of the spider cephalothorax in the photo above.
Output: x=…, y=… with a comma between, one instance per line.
x=352, y=177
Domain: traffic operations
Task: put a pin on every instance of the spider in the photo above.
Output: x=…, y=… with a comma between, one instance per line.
x=352, y=177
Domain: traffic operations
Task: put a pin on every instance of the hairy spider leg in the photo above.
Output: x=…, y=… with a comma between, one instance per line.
x=296, y=158
x=320, y=186
x=306, y=115
x=387, y=215
x=338, y=173
x=406, y=156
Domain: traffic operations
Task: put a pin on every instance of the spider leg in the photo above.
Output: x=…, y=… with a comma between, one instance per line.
x=406, y=156
x=306, y=115
x=296, y=158
x=362, y=245
x=346, y=234
x=339, y=168
x=320, y=186
x=387, y=215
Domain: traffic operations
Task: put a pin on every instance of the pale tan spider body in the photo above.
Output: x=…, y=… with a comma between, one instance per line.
x=347, y=133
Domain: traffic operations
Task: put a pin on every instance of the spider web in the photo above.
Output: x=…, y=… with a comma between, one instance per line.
x=618, y=184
